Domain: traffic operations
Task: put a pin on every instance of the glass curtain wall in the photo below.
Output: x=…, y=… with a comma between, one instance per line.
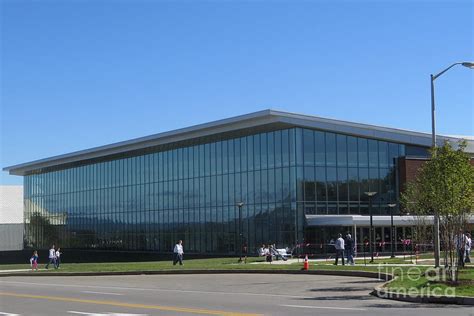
x=147, y=202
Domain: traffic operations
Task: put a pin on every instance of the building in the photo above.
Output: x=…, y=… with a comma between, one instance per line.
x=11, y=217
x=301, y=178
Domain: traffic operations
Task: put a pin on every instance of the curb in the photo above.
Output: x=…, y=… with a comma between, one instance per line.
x=381, y=292
x=367, y=274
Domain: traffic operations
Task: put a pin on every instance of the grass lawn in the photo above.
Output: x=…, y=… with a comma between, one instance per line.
x=423, y=285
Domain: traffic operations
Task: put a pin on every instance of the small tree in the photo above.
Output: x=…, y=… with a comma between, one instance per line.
x=444, y=187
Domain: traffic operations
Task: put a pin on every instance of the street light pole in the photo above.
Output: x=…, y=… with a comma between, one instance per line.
x=433, y=144
x=391, y=205
x=239, y=205
x=371, y=233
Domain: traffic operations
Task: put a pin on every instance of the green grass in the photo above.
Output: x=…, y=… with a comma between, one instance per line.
x=424, y=285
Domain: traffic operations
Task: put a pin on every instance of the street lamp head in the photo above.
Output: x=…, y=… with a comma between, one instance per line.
x=240, y=204
x=468, y=64
x=370, y=194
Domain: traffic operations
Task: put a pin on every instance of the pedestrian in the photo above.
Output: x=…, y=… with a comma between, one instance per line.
x=269, y=254
x=339, y=249
x=461, y=247
x=51, y=257
x=58, y=257
x=244, y=251
x=34, y=261
x=467, y=259
x=178, y=253
x=261, y=251
x=349, y=249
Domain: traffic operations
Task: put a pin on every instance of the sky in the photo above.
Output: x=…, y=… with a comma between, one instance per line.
x=79, y=74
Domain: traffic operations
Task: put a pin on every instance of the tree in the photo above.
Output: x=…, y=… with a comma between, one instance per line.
x=444, y=187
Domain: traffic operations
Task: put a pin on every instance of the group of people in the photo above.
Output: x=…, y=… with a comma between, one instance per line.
x=463, y=245
x=345, y=246
x=269, y=252
x=54, y=257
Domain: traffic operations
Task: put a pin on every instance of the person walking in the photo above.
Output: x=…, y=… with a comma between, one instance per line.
x=34, y=261
x=339, y=249
x=349, y=249
x=58, y=257
x=51, y=257
x=467, y=258
x=178, y=253
x=461, y=247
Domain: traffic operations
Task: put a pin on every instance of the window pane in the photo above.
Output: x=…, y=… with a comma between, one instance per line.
x=363, y=153
x=320, y=148
x=330, y=149
x=341, y=150
x=308, y=147
x=373, y=153
x=352, y=151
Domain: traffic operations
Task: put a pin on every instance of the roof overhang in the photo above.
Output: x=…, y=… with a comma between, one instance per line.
x=250, y=122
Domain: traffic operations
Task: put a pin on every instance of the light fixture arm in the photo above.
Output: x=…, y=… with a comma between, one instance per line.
x=442, y=72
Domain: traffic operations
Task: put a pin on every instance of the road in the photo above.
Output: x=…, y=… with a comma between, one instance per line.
x=222, y=294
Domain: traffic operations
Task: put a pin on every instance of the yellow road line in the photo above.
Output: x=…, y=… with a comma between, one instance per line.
x=132, y=305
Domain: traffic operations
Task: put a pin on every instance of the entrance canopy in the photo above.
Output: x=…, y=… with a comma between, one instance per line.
x=364, y=220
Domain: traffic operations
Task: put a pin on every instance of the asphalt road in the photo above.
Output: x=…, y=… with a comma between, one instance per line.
x=224, y=294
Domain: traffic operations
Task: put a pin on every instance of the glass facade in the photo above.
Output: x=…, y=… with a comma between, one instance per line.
x=150, y=200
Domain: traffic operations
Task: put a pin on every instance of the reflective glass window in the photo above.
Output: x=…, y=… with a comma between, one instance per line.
x=330, y=149
x=308, y=147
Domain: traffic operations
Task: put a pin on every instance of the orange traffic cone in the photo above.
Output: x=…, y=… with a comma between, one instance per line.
x=306, y=263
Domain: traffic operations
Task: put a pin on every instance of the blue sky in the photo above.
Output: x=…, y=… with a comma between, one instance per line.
x=79, y=74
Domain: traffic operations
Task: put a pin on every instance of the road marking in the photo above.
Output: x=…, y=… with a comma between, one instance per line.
x=153, y=289
x=326, y=307
x=130, y=305
x=105, y=293
x=9, y=314
x=106, y=314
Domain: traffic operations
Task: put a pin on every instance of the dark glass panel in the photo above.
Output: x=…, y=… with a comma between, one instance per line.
x=285, y=147
x=237, y=155
x=330, y=149
x=256, y=151
x=341, y=150
x=373, y=153
x=251, y=188
x=352, y=151
x=383, y=154
x=271, y=150
x=278, y=150
x=250, y=155
x=299, y=146
x=219, y=157
x=392, y=154
x=353, y=179
x=243, y=153
x=212, y=156
x=309, y=184
x=207, y=159
x=363, y=153
x=263, y=151
x=331, y=183
x=308, y=147
x=342, y=185
x=230, y=148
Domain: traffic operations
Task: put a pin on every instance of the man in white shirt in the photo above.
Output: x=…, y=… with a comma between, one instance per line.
x=467, y=259
x=178, y=253
x=339, y=249
x=51, y=257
